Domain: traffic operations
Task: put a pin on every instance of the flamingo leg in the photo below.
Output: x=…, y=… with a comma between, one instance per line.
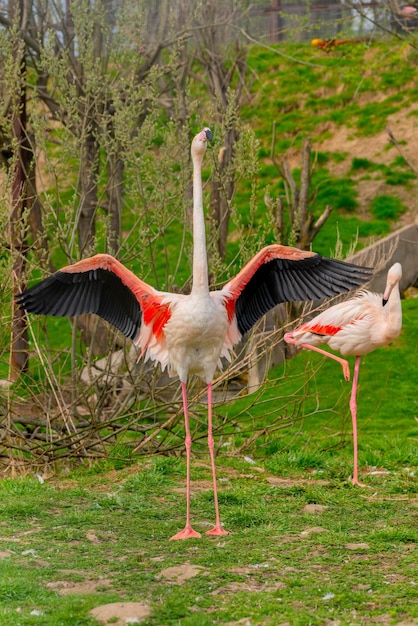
x=344, y=364
x=187, y=532
x=353, y=409
x=217, y=529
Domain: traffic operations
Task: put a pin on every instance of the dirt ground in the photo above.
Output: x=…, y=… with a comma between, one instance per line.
x=404, y=127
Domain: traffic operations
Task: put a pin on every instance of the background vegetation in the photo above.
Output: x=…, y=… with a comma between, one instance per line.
x=91, y=443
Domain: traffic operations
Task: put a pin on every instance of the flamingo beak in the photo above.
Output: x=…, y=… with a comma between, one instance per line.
x=387, y=293
x=208, y=133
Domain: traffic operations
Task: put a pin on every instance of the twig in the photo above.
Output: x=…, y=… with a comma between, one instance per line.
x=393, y=139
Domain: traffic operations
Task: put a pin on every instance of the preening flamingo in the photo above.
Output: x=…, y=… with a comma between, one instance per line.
x=355, y=327
x=188, y=334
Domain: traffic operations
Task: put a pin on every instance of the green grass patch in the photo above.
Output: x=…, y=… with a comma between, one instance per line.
x=386, y=207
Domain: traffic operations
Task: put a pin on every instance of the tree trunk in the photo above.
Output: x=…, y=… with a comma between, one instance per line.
x=115, y=170
x=302, y=225
x=222, y=192
x=89, y=167
x=18, y=246
x=34, y=205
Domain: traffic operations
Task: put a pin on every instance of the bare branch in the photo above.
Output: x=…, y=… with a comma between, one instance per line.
x=305, y=181
x=27, y=38
x=392, y=138
x=321, y=221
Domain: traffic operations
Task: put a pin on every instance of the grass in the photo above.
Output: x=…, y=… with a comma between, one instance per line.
x=306, y=547
x=387, y=207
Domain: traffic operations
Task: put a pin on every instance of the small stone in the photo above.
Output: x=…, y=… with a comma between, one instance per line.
x=357, y=546
x=314, y=508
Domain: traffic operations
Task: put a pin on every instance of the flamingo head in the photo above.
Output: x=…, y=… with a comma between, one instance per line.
x=393, y=278
x=200, y=141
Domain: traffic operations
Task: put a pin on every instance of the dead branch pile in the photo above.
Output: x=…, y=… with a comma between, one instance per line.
x=120, y=408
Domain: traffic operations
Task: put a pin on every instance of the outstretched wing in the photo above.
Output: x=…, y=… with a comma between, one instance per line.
x=101, y=285
x=285, y=274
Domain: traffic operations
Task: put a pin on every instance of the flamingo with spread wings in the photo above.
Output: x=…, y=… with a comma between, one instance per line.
x=355, y=327
x=188, y=334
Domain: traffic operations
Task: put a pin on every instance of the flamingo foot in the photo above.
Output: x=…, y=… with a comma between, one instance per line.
x=358, y=484
x=218, y=531
x=186, y=533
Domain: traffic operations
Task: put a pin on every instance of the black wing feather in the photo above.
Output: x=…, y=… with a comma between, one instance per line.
x=286, y=280
x=97, y=291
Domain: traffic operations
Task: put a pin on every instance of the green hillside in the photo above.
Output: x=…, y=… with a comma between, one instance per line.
x=343, y=101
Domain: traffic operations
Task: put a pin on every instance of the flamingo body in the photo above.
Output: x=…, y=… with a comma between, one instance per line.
x=355, y=327
x=188, y=334
x=195, y=337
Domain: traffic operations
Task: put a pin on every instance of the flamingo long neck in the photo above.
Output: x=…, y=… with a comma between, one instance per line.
x=395, y=311
x=200, y=260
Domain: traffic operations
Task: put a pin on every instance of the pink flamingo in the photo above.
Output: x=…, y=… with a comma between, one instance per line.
x=355, y=327
x=188, y=334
